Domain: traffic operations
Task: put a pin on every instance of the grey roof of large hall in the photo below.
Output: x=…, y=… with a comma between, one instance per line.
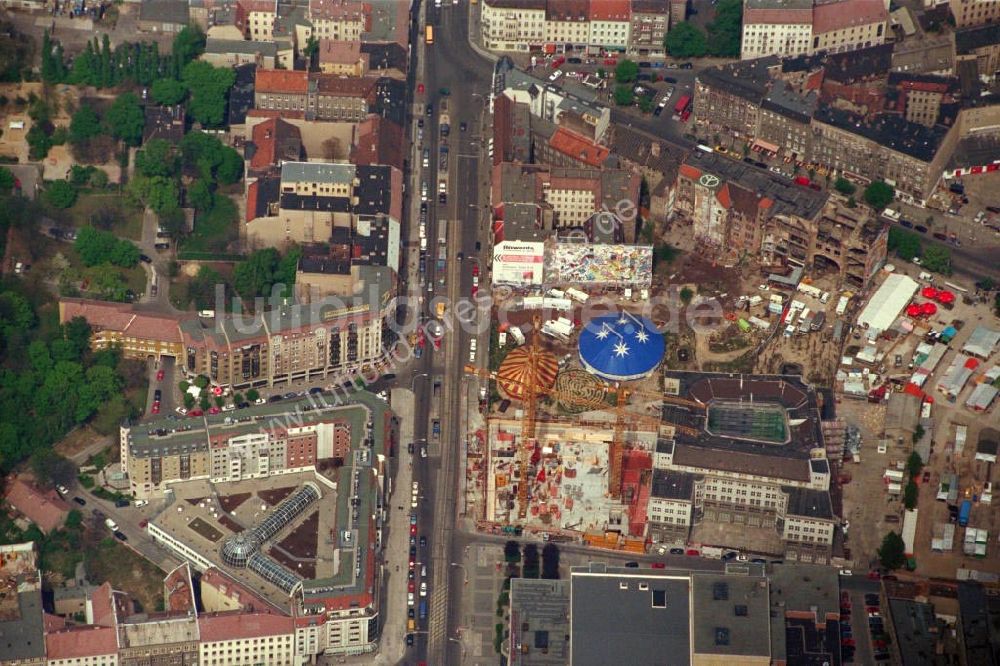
x=614, y=620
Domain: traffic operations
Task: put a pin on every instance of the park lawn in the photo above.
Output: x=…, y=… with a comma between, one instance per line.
x=214, y=231
x=87, y=204
x=112, y=561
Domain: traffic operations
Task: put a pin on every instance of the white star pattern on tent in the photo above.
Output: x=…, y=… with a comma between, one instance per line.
x=623, y=320
x=601, y=334
x=621, y=349
x=642, y=336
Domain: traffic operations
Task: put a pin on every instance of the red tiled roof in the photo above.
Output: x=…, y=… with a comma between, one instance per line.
x=341, y=53
x=258, y=6
x=689, y=172
x=579, y=147
x=379, y=141
x=847, y=14
x=177, y=586
x=103, y=604
x=236, y=625
x=120, y=317
x=281, y=81
x=249, y=600
x=53, y=622
x=353, y=86
x=753, y=16
x=610, y=10
x=274, y=139
x=44, y=508
x=87, y=641
x=723, y=196
x=252, y=191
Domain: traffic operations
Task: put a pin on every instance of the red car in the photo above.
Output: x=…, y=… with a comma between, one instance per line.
x=156, y=408
x=159, y=376
x=412, y=560
x=558, y=61
x=685, y=116
x=659, y=565
x=475, y=290
x=143, y=523
x=692, y=552
x=411, y=586
x=420, y=88
x=475, y=270
x=848, y=642
x=413, y=530
x=611, y=61
x=196, y=412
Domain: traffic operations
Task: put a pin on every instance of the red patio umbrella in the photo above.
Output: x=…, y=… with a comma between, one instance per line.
x=946, y=297
x=913, y=310
x=929, y=292
x=929, y=308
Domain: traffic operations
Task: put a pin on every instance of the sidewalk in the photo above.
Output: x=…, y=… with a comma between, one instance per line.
x=392, y=646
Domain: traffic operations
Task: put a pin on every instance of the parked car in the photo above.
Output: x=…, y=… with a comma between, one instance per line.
x=121, y=503
x=80, y=501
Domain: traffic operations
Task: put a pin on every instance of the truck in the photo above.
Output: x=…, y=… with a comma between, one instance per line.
x=444, y=121
x=442, y=261
x=442, y=232
x=909, y=533
x=963, y=513
x=443, y=158
x=577, y=295
x=810, y=290
x=712, y=552
x=842, y=305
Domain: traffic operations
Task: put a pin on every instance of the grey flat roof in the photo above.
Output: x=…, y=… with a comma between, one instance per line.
x=22, y=638
x=808, y=502
x=731, y=615
x=539, y=621
x=668, y=484
x=628, y=616
x=916, y=631
x=165, y=11
x=241, y=46
x=317, y=172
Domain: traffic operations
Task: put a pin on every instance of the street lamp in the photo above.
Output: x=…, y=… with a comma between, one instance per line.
x=465, y=571
x=416, y=377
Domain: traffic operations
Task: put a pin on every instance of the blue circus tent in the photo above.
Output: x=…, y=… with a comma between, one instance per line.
x=621, y=347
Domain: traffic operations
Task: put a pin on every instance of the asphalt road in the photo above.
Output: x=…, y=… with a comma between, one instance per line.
x=449, y=63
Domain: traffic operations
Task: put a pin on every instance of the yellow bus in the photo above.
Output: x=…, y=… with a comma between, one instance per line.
x=429, y=34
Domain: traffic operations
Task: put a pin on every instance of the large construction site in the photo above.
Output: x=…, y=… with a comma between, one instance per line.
x=578, y=452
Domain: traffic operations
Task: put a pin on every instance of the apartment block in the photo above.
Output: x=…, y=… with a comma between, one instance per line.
x=578, y=110
x=514, y=25
x=258, y=17
x=650, y=22
x=288, y=344
x=796, y=27
x=974, y=12
x=337, y=20
x=633, y=26
x=329, y=96
x=776, y=27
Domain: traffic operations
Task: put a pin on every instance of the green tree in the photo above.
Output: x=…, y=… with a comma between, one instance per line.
x=168, y=91
x=254, y=276
x=86, y=67
x=199, y=195
x=253, y=395
x=203, y=401
x=201, y=289
x=645, y=103
x=230, y=168
x=725, y=31
x=914, y=464
x=892, y=553
x=98, y=247
x=906, y=244
x=626, y=71
x=59, y=194
x=158, y=158
x=125, y=119
x=208, y=86
x=158, y=192
x=84, y=125
x=686, y=40
x=623, y=95
x=74, y=519
x=188, y=45
x=936, y=258
x=686, y=295
x=39, y=142
x=238, y=398
x=188, y=401
x=512, y=551
x=910, y=494
x=6, y=180
x=878, y=195
x=844, y=186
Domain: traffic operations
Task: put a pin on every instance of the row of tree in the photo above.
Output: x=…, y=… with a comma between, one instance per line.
x=101, y=66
